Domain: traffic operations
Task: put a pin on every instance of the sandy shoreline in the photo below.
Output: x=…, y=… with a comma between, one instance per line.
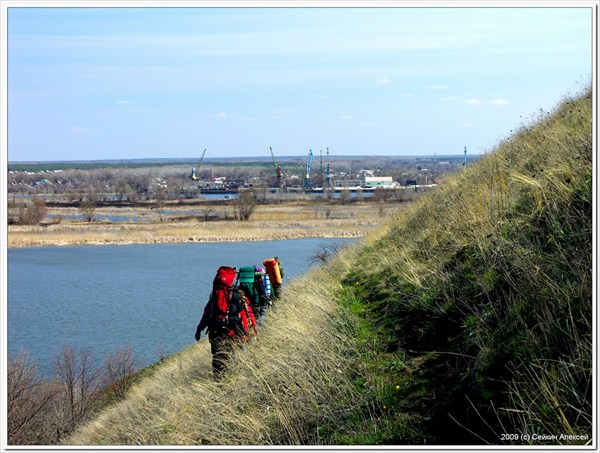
x=222, y=231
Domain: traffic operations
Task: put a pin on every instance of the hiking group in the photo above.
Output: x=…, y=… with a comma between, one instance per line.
x=237, y=307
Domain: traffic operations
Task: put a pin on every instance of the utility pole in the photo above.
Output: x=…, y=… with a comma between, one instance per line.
x=465, y=159
x=328, y=171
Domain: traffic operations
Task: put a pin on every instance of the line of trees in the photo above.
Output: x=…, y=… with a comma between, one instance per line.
x=122, y=183
x=43, y=412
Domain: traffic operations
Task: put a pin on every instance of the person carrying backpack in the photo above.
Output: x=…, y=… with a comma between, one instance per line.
x=228, y=317
x=275, y=270
x=251, y=282
x=266, y=283
x=261, y=282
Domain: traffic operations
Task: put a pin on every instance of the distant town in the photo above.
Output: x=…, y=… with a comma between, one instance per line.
x=143, y=179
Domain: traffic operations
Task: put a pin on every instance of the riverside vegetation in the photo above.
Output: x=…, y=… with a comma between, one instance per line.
x=465, y=319
x=215, y=223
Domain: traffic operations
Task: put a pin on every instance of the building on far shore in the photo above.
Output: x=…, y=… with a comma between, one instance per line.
x=379, y=181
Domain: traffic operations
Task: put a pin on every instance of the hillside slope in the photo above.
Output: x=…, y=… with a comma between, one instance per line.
x=466, y=317
x=482, y=295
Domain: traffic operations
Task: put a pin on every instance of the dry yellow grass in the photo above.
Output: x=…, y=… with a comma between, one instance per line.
x=276, y=222
x=280, y=388
x=490, y=252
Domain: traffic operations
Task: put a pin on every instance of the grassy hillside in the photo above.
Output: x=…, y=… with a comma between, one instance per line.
x=466, y=317
x=481, y=296
x=279, y=390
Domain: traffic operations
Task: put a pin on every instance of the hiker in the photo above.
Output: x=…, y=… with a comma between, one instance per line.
x=275, y=270
x=253, y=292
x=261, y=277
x=228, y=317
x=262, y=285
x=266, y=281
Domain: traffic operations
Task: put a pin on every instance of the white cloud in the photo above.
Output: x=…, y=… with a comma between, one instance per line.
x=80, y=130
x=282, y=114
x=249, y=118
x=347, y=117
x=475, y=101
x=124, y=102
x=383, y=81
x=323, y=96
x=221, y=115
x=438, y=87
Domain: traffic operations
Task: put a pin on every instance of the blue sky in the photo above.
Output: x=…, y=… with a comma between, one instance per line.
x=106, y=83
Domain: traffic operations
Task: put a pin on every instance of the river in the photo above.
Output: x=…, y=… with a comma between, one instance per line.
x=149, y=297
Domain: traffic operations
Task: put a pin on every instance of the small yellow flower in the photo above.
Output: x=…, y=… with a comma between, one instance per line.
x=397, y=388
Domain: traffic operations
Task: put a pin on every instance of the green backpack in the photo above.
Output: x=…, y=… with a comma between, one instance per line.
x=246, y=279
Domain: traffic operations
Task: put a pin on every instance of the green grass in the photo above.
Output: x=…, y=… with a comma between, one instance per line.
x=490, y=288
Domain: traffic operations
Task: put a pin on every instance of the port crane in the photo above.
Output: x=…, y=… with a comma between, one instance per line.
x=328, y=175
x=278, y=170
x=194, y=176
x=309, y=161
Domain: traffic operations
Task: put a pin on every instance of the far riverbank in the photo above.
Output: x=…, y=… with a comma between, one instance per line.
x=270, y=222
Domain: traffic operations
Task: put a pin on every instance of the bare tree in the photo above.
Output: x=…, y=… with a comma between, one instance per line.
x=119, y=371
x=79, y=381
x=382, y=195
x=87, y=206
x=206, y=212
x=245, y=204
x=160, y=189
x=123, y=190
x=345, y=196
x=37, y=211
x=31, y=212
x=28, y=401
x=42, y=412
x=324, y=253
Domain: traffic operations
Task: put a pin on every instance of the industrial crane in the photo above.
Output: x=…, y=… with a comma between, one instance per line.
x=309, y=161
x=278, y=170
x=194, y=176
x=328, y=175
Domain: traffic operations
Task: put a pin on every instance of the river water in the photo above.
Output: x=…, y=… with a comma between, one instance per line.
x=149, y=297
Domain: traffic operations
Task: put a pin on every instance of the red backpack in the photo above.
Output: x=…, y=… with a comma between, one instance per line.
x=223, y=294
x=222, y=312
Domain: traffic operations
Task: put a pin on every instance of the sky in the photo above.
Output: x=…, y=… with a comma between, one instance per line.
x=128, y=83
